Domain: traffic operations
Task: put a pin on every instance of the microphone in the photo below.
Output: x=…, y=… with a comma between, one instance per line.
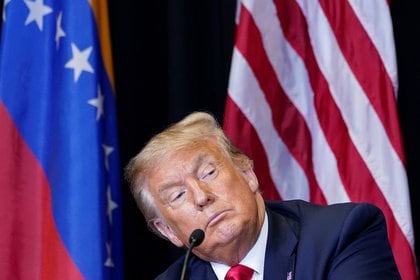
x=196, y=238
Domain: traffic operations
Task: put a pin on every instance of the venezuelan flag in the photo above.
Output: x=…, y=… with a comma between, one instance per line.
x=60, y=197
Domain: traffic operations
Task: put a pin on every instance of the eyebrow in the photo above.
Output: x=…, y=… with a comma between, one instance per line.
x=197, y=162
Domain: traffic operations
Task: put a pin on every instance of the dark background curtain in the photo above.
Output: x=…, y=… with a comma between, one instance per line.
x=173, y=57
x=170, y=58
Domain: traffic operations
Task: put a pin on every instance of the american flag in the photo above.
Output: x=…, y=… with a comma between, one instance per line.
x=312, y=100
x=59, y=170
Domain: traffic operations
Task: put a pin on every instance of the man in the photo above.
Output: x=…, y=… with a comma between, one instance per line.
x=190, y=176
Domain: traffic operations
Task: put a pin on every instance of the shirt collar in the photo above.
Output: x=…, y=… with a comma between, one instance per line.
x=254, y=259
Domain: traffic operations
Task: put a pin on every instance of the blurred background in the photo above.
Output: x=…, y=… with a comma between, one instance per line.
x=173, y=57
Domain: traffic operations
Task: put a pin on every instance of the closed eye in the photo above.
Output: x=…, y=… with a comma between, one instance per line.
x=177, y=196
x=210, y=174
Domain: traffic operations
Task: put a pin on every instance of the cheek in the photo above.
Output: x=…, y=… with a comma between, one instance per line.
x=177, y=217
x=240, y=191
x=183, y=221
x=245, y=201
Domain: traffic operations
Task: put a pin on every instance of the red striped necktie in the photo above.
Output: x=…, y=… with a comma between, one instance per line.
x=239, y=272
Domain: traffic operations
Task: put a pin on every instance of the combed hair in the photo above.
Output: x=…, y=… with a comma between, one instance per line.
x=190, y=132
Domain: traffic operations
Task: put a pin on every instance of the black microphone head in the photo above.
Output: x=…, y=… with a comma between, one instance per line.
x=196, y=237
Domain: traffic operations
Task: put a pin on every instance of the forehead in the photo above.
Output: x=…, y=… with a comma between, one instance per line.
x=195, y=152
x=185, y=160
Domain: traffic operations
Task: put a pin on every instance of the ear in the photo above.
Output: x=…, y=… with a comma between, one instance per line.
x=167, y=231
x=251, y=178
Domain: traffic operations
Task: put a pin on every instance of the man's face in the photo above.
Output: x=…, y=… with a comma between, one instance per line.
x=201, y=188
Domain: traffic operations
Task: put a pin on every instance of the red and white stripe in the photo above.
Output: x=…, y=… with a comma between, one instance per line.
x=311, y=100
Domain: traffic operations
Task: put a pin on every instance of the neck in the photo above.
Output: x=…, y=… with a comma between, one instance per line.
x=234, y=252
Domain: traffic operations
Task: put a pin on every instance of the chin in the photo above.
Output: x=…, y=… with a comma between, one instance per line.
x=227, y=234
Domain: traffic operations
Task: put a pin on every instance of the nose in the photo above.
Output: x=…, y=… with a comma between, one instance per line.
x=200, y=192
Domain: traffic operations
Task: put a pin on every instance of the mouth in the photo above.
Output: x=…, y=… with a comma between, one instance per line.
x=215, y=218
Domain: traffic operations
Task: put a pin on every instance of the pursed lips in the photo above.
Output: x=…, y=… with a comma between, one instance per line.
x=215, y=218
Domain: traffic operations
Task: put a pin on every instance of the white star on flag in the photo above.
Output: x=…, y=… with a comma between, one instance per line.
x=111, y=204
x=4, y=8
x=98, y=103
x=37, y=11
x=79, y=62
x=59, y=30
x=108, y=262
x=107, y=150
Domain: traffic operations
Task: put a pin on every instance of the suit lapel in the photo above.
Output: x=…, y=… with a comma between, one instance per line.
x=281, y=244
x=200, y=269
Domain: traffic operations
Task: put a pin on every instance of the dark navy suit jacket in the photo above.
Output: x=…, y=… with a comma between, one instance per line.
x=310, y=242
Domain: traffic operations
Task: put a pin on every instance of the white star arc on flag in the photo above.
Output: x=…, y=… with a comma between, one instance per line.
x=4, y=8
x=98, y=103
x=111, y=204
x=109, y=262
x=37, y=11
x=107, y=150
x=59, y=30
x=79, y=61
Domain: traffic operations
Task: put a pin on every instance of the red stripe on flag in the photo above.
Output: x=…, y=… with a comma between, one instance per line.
x=366, y=65
x=360, y=179
x=295, y=29
x=287, y=120
x=252, y=147
x=29, y=242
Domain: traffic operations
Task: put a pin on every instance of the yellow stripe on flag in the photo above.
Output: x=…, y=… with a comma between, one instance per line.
x=100, y=9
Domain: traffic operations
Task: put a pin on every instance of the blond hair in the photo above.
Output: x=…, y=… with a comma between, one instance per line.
x=190, y=132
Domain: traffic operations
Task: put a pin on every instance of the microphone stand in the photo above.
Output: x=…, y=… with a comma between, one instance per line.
x=196, y=237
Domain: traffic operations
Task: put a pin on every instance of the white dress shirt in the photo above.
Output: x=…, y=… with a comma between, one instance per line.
x=254, y=259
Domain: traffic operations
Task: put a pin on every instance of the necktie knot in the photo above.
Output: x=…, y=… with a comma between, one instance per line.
x=239, y=272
